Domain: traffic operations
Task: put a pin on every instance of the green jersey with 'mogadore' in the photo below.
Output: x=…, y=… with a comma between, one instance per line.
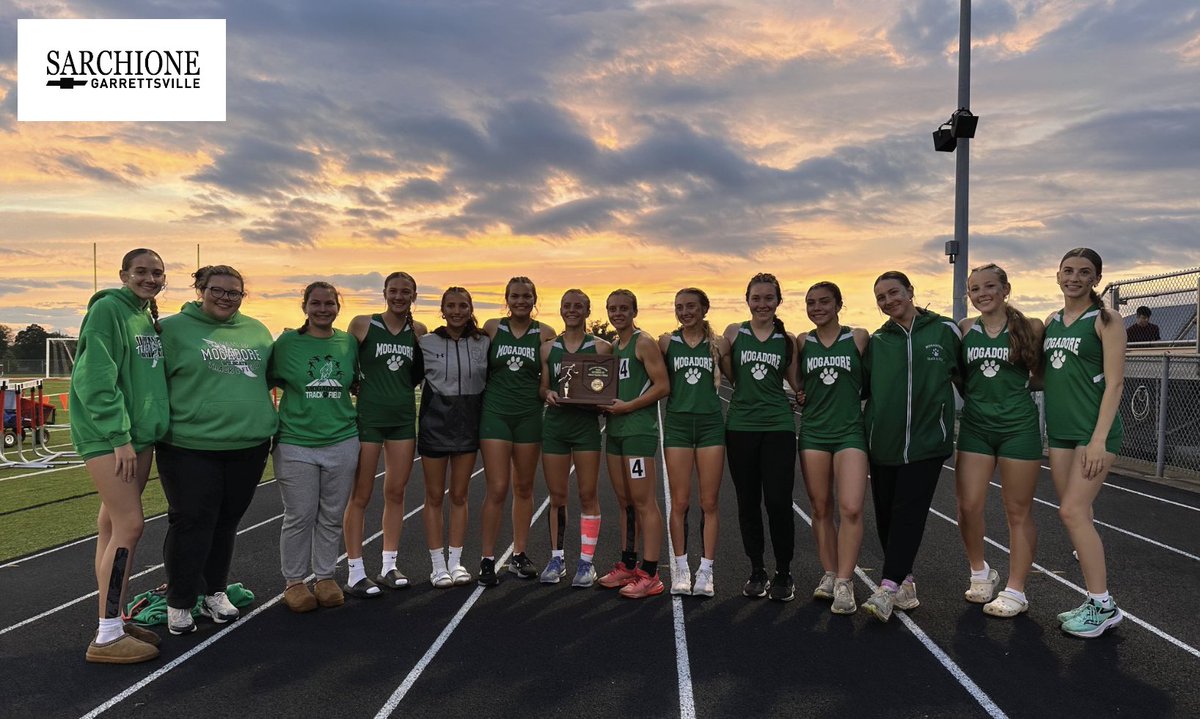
x=385, y=363
x=315, y=374
x=690, y=370
x=1074, y=377
x=759, y=403
x=514, y=371
x=568, y=413
x=833, y=380
x=632, y=382
x=997, y=391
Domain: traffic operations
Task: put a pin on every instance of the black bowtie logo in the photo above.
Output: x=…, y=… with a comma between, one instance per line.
x=66, y=83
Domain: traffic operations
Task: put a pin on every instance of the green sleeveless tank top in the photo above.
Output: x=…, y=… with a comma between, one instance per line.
x=833, y=380
x=759, y=403
x=997, y=391
x=1074, y=377
x=554, y=361
x=385, y=360
x=691, y=372
x=514, y=372
x=632, y=382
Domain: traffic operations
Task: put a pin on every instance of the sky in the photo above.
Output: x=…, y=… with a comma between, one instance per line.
x=603, y=144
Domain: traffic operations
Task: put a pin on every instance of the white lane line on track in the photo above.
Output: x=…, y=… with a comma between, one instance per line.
x=1051, y=574
x=1143, y=494
x=683, y=665
x=220, y=634
x=89, y=595
x=964, y=680
x=1113, y=527
x=44, y=471
x=398, y=695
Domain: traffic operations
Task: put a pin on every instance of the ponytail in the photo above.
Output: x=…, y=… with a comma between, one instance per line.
x=154, y=315
x=713, y=352
x=787, y=355
x=1022, y=350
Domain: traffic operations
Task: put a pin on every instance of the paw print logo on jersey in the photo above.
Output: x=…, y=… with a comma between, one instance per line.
x=514, y=363
x=692, y=375
x=1057, y=359
x=395, y=363
x=758, y=371
x=989, y=368
x=829, y=375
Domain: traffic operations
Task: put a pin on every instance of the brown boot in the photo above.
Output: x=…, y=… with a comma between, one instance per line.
x=299, y=598
x=329, y=594
x=122, y=650
x=142, y=634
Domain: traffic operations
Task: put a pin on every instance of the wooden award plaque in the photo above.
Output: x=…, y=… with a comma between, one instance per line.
x=587, y=379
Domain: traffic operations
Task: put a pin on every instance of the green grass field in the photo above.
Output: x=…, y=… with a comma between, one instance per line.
x=43, y=508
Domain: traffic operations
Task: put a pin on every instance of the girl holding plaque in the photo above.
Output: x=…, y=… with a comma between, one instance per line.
x=570, y=435
x=631, y=445
x=693, y=434
x=510, y=429
x=760, y=434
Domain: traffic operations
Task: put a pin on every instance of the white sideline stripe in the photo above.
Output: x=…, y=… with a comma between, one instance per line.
x=683, y=665
x=148, y=519
x=1143, y=494
x=1135, y=535
x=44, y=471
x=1052, y=575
x=90, y=537
x=965, y=681
x=89, y=595
x=398, y=695
x=222, y=633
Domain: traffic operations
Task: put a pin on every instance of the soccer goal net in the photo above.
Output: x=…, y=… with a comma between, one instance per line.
x=60, y=356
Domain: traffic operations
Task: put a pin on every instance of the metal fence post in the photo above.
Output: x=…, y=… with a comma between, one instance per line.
x=1162, y=415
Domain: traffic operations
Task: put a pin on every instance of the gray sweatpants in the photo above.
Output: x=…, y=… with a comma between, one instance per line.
x=315, y=484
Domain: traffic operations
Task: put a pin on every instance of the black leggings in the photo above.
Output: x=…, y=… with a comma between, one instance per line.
x=902, y=495
x=207, y=494
x=763, y=468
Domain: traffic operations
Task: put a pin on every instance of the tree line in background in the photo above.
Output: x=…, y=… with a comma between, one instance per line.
x=29, y=343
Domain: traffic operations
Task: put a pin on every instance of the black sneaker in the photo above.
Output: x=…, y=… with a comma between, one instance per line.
x=487, y=573
x=522, y=567
x=756, y=585
x=782, y=589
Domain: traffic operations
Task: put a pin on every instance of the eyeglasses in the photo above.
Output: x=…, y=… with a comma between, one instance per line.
x=218, y=293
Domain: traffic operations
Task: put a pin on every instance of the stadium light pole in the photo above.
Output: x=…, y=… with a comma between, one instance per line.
x=961, y=176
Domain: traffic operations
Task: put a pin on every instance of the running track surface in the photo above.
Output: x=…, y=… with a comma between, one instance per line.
x=526, y=649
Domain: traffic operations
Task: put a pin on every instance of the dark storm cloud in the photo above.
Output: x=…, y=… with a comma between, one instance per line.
x=286, y=227
x=419, y=191
x=257, y=167
x=590, y=214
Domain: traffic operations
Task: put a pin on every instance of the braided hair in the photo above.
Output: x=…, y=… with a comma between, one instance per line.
x=127, y=263
x=766, y=278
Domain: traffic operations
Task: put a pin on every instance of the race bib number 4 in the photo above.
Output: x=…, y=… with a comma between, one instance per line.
x=637, y=467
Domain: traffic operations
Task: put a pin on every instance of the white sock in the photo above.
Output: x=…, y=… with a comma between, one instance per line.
x=681, y=563
x=455, y=559
x=357, y=573
x=1103, y=599
x=705, y=564
x=109, y=630
x=982, y=574
x=560, y=553
x=389, y=562
x=1015, y=593
x=438, y=559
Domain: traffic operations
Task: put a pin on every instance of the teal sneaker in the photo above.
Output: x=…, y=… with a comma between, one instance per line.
x=1068, y=615
x=1094, y=620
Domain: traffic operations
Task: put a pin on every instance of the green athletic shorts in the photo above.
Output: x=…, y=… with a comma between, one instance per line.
x=570, y=430
x=1025, y=444
x=637, y=445
x=692, y=430
x=1111, y=444
x=518, y=429
x=855, y=440
x=379, y=435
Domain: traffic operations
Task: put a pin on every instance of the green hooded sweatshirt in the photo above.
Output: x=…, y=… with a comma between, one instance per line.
x=118, y=389
x=217, y=377
x=910, y=406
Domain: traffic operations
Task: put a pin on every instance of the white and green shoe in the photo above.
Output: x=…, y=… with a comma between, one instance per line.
x=1064, y=617
x=1094, y=620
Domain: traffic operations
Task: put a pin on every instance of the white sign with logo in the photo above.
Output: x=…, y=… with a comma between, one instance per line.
x=120, y=70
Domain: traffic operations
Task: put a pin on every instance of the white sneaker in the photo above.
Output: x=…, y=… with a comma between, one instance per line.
x=703, y=586
x=460, y=576
x=843, y=598
x=219, y=608
x=441, y=579
x=906, y=596
x=682, y=582
x=880, y=604
x=179, y=621
x=824, y=588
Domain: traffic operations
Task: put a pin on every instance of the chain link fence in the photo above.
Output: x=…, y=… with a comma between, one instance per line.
x=22, y=368
x=1161, y=410
x=1172, y=301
